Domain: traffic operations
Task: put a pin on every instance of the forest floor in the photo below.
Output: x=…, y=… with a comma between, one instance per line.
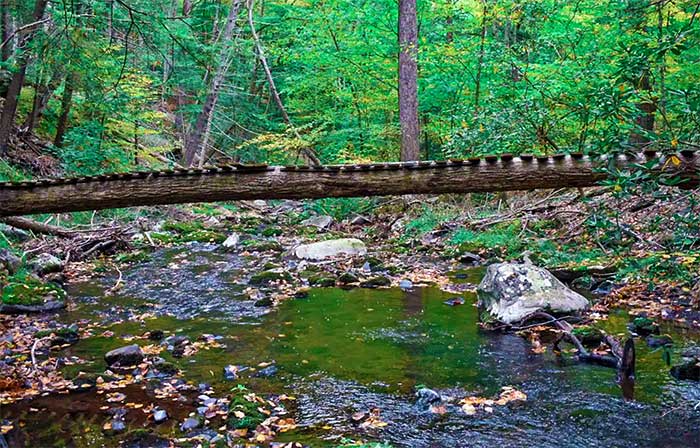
x=632, y=253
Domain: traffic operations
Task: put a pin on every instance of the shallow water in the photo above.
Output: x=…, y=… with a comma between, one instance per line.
x=343, y=351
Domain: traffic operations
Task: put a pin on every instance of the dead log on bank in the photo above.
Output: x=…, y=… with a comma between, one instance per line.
x=240, y=182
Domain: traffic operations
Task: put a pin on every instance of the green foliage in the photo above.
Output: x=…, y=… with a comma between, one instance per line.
x=341, y=208
x=504, y=240
x=430, y=217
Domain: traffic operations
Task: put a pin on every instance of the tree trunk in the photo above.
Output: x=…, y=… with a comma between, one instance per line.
x=66, y=104
x=42, y=94
x=647, y=109
x=408, y=80
x=196, y=141
x=263, y=182
x=9, y=110
x=480, y=60
x=186, y=8
x=6, y=30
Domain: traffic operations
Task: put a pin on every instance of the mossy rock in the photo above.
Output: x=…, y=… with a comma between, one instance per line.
x=321, y=281
x=376, y=282
x=347, y=278
x=375, y=264
x=267, y=277
x=265, y=245
x=25, y=290
x=61, y=336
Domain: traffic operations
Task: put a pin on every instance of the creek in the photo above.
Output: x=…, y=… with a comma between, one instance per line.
x=340, y=352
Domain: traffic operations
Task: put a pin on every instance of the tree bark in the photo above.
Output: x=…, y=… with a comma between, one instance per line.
x=263, y=182
x=42, y=94
x=647, y=109
x=9, y=110
x=196, y=141
x=66, y=104
x=6, y=30
x=408, y=80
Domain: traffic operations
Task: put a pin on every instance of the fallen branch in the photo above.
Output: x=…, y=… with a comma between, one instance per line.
x=37, y=227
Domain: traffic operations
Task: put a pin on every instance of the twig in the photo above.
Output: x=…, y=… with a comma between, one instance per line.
x=34, y=346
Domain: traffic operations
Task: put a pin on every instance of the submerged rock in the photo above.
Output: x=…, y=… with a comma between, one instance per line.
x=511, y=291
x=427, y=397
x=267, y=372
x=663, y=340
x=331, y=248
x=189, y=424
x=643, y=326
x=124, y=356
x=454, y=301
x=688, y=370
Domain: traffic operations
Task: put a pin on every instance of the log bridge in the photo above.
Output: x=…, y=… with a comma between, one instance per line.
x=244, y=182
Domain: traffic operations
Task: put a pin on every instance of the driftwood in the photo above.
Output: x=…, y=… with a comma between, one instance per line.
x=623, y=357
x=224, y=183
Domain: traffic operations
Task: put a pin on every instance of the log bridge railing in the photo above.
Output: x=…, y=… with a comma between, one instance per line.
x=244, y=182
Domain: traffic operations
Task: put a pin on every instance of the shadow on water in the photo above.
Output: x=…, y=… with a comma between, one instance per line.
x=345, y=351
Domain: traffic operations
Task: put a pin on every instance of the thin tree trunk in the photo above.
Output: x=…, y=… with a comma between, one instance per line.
x=307, y=153
x=186, y=8
x=480, y=61
x=42, y=94
x=408, y=80
x=66, y=104
x=12, y=98
x=6, y=30
x=647, y=109
x=196, y=141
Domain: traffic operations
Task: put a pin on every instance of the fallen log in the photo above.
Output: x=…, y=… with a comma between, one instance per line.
x=241, y=182
x=37, y=227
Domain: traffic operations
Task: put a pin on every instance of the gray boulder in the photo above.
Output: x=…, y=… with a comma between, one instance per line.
x=321, y=222
x=511, y=291
x=9, y=260
x=331, y=248
x=46, y=263
x=232, y=241
x=130, y=355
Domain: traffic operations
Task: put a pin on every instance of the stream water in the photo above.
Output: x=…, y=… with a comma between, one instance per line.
x=345, y=351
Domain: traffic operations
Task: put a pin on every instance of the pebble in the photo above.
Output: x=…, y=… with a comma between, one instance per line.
x=189, y=424
x=454, y=301
x=159, y=415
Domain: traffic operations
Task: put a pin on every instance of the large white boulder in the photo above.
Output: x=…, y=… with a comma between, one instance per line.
x=331, y=248
x=511, y=291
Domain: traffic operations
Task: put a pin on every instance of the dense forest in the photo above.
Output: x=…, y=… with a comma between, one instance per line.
x=333, y=223
x=112, y=85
